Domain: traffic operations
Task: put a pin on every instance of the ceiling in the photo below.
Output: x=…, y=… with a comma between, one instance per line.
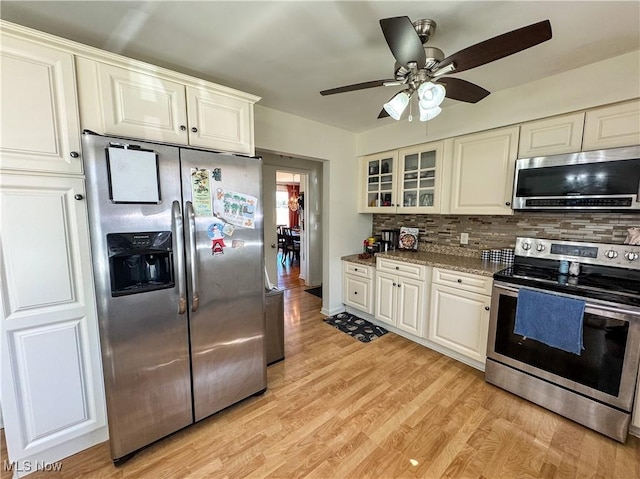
x=286, y=52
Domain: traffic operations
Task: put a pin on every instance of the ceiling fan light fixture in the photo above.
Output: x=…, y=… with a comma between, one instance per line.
x=427, y=114
x=396, y=106
x=430, y=95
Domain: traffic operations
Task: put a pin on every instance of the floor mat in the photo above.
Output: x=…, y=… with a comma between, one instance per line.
x=359, y=328
x=315, y=291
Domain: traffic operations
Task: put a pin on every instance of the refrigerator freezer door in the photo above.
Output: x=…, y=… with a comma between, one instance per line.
x=228, y=326
x=144, y=339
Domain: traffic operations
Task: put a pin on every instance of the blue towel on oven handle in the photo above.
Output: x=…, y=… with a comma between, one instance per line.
x=551, y=319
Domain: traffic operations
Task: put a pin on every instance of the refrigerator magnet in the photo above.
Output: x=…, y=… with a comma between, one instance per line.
x=216, y=235
x=237, y=244
x=228, y=229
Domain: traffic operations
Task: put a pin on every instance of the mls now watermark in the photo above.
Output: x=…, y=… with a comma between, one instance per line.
x=31, y=466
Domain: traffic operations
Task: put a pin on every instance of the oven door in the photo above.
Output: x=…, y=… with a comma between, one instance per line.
x=605, y=371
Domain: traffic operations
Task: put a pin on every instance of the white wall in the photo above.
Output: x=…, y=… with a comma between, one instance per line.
x=609, y=81
x=343, y=229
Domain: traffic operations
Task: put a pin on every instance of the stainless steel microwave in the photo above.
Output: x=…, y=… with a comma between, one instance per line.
x=592, y=180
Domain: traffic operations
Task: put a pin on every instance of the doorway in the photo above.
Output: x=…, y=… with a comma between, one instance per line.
x=307, y=175
x=291, y=258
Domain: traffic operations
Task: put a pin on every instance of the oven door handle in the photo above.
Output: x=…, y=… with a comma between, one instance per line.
x=597, y=307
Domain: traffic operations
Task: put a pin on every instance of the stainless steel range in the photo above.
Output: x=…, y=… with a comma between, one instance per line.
x=594, y=385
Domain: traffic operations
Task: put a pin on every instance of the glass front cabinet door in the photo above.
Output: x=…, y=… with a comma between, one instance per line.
x=379, y=172
x=419, y=178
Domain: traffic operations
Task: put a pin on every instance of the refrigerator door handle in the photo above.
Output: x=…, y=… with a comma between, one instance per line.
x=178, y=236
x=193, y=255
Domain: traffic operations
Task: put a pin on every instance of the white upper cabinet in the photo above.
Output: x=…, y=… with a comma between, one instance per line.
x=420, y=178
x=404, y=181
x=378, y=193
x=219, y=121
x=482, y=172
x=551, y=136
x=40, y=130
x=612, y=126
x=142, y=106
x=136, y=103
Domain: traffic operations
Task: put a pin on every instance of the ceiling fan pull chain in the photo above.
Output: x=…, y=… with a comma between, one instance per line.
x=410, y=112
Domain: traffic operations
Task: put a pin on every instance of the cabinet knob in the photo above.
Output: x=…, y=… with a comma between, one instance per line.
x=399, y=285
x=194, y=129
x=459, y=280
x=355, y=269
x=355, y=292
x=74, y=154
x=397, y=267
x=183, y=128
x=78, y=196
x=273, y=245
x=508, y=203
x=394, y=284
x=486, y=308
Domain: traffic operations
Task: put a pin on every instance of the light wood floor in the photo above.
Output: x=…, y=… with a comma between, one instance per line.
x=338, y=408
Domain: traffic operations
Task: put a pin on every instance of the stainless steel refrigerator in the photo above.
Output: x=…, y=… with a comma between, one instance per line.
x=177, y=249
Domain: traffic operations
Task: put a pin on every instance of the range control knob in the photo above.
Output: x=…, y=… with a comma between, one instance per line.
x=526, y=246
x=611, y=254
x=540, y=247
x=631, y=255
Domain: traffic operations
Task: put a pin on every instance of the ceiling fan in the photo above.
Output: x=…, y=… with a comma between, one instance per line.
x=422, y=68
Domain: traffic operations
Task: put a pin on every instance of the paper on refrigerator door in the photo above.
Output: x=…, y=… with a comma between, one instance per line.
x=201, y=192
x=236, y=208
x=133, y=176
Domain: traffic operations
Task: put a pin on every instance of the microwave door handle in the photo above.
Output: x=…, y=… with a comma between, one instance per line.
x=178, y=237
x=193, y=256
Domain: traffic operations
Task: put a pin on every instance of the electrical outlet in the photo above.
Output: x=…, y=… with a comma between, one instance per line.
x=464, y=238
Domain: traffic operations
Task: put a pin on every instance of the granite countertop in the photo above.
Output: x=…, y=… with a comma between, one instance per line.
x=465, y=264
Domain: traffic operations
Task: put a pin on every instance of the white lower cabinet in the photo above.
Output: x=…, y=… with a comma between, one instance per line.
x=357, y=286
x=52, y=393
x=400, y=295
x=459, y=315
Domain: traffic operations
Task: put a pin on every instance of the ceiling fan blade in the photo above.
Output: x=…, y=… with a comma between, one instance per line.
x=355, y=86
x=462, y=90
x=383, y=114
x=403, y=41
x=499, y=47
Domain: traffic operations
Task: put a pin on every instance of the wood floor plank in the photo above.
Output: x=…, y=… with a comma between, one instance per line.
x=338, y=408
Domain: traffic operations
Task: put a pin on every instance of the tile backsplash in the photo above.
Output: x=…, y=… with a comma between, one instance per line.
x=488, y=232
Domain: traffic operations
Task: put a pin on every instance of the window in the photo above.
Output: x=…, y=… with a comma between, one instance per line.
x=282, y=208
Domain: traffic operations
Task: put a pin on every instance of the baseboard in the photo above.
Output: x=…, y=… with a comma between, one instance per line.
x=332, y=311
x=634, y=431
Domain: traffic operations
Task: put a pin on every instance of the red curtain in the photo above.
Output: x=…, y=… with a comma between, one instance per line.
x=293, y=191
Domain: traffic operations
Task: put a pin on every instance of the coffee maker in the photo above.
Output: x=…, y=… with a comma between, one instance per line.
x=388, y=240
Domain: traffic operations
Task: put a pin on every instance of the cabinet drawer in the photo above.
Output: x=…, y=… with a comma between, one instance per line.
x=358, y=269
x=464, y=281
x=357, y=293
x=408, y=270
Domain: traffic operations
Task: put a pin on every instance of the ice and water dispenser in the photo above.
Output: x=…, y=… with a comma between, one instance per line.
x=140, y=262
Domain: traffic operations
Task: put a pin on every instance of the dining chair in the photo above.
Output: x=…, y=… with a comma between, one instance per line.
x=292, y=247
